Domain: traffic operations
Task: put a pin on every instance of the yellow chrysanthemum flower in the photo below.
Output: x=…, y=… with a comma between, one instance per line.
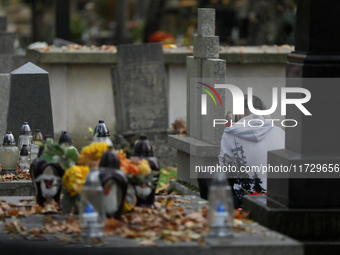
x=92, y=152
x=74, y=179
x=144, y=167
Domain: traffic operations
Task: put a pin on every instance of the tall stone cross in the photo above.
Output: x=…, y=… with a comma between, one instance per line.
x=205, y=67
x=204, y=70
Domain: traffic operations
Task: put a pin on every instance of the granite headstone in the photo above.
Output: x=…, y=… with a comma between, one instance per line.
x=140, y=88
x=30, y=100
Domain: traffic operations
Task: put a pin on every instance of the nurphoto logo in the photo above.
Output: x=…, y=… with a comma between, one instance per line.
x=238, y=101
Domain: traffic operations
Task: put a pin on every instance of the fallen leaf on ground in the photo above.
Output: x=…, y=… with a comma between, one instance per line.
x=15, y=227
x=241, y=215
x=36, y=233
x=147, y=243
x=112, y=226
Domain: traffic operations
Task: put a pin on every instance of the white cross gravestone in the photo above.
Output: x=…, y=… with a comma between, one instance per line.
x=202, y=146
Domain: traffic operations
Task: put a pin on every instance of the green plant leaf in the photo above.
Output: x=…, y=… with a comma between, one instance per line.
x=64, y=164
x=72, y=154
x=49, y=157
x=50, y=140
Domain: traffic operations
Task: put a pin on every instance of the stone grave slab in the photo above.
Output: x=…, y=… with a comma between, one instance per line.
x=16, y=188
x=261, y=242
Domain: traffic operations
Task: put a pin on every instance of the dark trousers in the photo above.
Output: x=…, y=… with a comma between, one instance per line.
x=204, y=184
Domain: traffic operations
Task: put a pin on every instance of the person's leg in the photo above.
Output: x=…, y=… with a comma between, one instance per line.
x=203, y=184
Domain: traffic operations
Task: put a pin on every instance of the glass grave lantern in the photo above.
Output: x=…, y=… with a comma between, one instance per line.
x=24, y=162
x=145, y=193
x=46, y=178
x=101, y=134
x=91, y=209
x=114, y=182
x=9, y=154
x=66, y=139
x=34, y=148
x=221, y=207
x=25, y=136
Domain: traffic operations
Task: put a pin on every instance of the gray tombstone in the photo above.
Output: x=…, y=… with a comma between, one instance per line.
x=30, y=100
x=4, y=100
x=140, y=88
x=6, y=42
x=6, y=38
x=8, y=60
x=3, y=23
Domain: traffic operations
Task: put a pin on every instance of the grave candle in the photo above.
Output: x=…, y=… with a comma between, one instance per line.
x=102, y=134
x=9, y=153
x=91, y=209
x=34, y=149
x=66, y=139
x=145, y=194
x=23, y=162
x=220, y=207
x=114, y=182
x=25, y=136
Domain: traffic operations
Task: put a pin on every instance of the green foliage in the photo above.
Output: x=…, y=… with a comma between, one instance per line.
x=166, y=175
x=137, y=32
x=59, y=153
x=78, y=25
x=172, y=189
x=142, y=179
x=106, y=10
x=189, y=186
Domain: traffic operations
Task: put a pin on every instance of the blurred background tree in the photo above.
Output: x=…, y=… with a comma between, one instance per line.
x=238, y=22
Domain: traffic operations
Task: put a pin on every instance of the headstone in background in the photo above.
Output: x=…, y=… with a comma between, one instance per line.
x=140, y=96
x=8, y=60
x=3, y=23
x=30, y=100
x=140, y=88
x=4, y=100
x=6, y=38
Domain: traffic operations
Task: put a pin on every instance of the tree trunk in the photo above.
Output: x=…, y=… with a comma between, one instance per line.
x=122, y=18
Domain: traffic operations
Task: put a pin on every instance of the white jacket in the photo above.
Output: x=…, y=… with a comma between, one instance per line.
x=244, y=145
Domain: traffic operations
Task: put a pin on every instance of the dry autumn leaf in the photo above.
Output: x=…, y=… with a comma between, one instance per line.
x=14, y=227
x=36, y=233
x=147, y=243
x=112, y=226
x=241, y=215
